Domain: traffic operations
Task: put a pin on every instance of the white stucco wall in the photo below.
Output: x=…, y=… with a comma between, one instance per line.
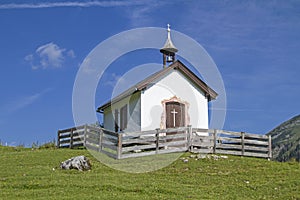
x=134, y=113
x=173, y=84
x=145, y=108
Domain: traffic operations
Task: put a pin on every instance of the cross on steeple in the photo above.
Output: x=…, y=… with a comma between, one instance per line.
x=169, y=49
x=174, y=116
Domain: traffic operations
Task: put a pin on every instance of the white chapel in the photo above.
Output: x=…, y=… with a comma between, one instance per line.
x=172, y=97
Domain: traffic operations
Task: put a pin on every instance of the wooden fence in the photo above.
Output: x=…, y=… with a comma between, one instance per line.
x=159, y=141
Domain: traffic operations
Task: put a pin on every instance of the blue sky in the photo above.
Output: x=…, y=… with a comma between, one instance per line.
x=255, y=45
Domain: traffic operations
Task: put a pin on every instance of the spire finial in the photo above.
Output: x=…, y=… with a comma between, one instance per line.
x=168, y=49
x=169, y=32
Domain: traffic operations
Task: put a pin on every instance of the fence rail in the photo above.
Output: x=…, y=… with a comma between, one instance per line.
x=229, y=142
x=159, y=141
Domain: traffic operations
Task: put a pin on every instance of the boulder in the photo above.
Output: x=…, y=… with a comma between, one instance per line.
x=80, y=163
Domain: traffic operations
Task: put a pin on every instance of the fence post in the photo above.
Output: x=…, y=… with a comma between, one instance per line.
x=100, y=140
x=157, y=141
x=58, y=139
x=215, y=140
x=84, y=135
x=270, y=146
x=71, y=139
x=189, y=138
x=119, y=148
x=243, y=142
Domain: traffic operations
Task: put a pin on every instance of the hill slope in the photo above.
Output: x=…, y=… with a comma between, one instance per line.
x=29, y=174
x=286, y=140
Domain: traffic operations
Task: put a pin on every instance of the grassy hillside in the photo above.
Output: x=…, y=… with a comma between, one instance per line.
x=29, y=174
x=286, y=140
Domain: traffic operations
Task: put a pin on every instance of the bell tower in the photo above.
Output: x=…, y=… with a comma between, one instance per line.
x=168, y=50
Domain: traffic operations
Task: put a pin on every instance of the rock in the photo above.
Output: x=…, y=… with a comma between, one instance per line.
x=215, y=157
x=80, y=163
x=201, y=156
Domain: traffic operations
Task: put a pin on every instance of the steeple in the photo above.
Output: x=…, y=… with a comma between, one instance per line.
x=169, y=49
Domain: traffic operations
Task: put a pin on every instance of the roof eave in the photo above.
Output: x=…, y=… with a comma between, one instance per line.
x=209, y=92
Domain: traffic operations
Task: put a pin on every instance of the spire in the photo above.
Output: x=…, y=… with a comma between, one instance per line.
x=169, y=49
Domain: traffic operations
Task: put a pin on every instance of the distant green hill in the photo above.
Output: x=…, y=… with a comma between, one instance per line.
x=286, y=140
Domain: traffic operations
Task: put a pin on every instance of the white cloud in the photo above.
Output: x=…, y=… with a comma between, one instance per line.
x=24, y=101
x=112, y=79
x=142, y=14
x=48, y=56
x=71, y=53
x=69, y=4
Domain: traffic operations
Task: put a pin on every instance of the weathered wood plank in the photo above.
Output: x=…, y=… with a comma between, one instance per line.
x=139, y=140
x=259, y=155
x=70, y=129
x=112, y=147
x=65, y=136
x=66, y=141
x=229, y=140
x=196, y=137
x=111, y=133
x=201, y=130
x=109, y=143
x=111, y=139
x=256, y=136
x=256, y=142
x=92, y=141
x=219, y=151
x=92, y=136
x=203, y=144
x=140, y=133
x=229, y=146
x=255, y=148
x=172, y=130
x=138, y=147
x=172, y=143
x=270, y=146
x=172, y=150
x=223, y=132
x=176, y=136
x=76, y=139
x=202, y=150
x=64, y=146
x=134, y=155
x=93, y=129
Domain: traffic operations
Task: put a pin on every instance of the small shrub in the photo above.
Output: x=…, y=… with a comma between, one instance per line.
x=48, y=145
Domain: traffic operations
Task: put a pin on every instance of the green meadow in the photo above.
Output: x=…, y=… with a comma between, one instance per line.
x=34, y=174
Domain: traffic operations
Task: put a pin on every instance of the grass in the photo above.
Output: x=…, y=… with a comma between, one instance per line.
x=29, y=174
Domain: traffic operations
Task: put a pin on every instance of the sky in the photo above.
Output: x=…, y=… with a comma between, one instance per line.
x=255, y=45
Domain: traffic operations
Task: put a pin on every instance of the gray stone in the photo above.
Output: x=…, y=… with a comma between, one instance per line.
x=80, y=163
x=201, y=156
x=224, y=157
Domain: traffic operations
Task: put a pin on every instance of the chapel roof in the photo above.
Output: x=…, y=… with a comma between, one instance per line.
x=177, y=65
